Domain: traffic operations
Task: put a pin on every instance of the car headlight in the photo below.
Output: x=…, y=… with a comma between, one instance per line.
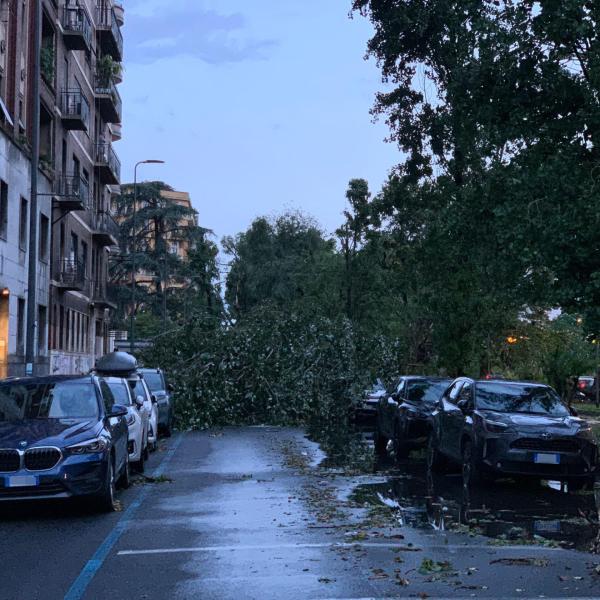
x=494, y=426
x=90, y=447
x=131, y=419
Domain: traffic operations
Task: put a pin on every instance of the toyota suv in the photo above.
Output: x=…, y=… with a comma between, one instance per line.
x=511, y=428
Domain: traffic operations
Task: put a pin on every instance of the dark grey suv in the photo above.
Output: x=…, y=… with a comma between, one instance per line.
x=496, y=428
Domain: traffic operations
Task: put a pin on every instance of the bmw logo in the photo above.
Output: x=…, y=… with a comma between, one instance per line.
x=23, y=444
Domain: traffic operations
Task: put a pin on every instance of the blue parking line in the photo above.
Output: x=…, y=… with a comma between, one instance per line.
x=80, y=585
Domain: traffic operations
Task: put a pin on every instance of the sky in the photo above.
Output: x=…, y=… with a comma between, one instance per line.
x=257, y=106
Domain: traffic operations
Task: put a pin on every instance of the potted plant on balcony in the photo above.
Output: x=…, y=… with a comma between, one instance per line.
x=106, y=70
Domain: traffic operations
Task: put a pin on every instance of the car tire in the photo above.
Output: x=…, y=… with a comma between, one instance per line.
x=140, y=465
x=436, y=461
x=125, y=479
x=169, y=428
x=381, y=443
x=472, y=470
x=401, y=450
x=105, y=499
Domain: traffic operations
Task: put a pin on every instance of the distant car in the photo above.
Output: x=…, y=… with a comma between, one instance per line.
x=367, y=408
x=138, y=421
x=122, y=364
x=157, y=383
x=404, y=414
x=62, y=437
x=511, y=428
x=586, y=389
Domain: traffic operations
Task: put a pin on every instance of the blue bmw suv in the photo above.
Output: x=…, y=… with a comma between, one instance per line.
x=62, y=437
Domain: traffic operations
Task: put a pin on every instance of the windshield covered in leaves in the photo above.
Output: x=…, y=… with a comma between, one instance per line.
x=427, y=392
x=539, y=400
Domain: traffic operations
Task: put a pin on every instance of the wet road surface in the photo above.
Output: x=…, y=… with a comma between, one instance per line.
x=249, y=513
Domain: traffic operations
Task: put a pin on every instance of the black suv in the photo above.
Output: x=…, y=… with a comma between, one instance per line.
x=404, y=414
x=511, y=428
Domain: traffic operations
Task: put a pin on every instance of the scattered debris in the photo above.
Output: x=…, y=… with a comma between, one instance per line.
x=521, y=562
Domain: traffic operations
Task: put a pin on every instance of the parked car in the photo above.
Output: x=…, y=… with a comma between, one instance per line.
x=62, y=437
x=404, y=414
x=511, y=428
x=367, y=408
x=138, y=421
x=158, y=386
x=122, y=364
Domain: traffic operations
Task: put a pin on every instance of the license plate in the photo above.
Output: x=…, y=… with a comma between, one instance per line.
x=547, y=526
x=18, y=481
x=546, y=459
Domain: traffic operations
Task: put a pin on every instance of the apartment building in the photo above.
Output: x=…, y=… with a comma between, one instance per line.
x=82, y=50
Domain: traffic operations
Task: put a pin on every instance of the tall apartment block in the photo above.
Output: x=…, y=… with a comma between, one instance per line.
x=80, y=116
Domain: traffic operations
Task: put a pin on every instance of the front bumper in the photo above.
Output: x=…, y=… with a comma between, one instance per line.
x=73, y=476
x=500, y=456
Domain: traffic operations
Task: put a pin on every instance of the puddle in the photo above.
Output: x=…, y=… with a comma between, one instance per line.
x=506, y=512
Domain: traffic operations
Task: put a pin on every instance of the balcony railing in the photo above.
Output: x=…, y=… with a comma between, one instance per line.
x=101, y=294
x=108, y=164
x=77, y=28
x=70, y=274
x=75, y=110
x=72, y=192
x=106, y=229
x=111, y=37
x=111, y=105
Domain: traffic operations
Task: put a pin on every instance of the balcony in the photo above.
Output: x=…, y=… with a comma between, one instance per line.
x=107, y=164
x=100, y=296
x=69, y=275
x=109, y=34
x=75, y=110
x=105, y=230
x=77, y=28
x=109, y=99
x=72, y=193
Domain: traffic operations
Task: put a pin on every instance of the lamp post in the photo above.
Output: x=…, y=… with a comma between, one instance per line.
x=133, y=249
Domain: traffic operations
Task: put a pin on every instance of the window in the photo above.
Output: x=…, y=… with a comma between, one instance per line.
x=107, y=395
x=42, y=326
x=23, y=224
x=44, y=235
x=21, y=326
x=3, y=209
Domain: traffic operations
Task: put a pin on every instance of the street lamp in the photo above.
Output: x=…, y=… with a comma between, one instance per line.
x=133, y=249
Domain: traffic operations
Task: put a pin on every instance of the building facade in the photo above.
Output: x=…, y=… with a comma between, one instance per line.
x=82, y=50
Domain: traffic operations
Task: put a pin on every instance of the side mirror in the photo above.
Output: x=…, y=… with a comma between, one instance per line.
x=463, y=405
x=154, y=399
x=139, y=401
x=574, y=413
x=170, y=387
x=392, y=400
x=118, y=411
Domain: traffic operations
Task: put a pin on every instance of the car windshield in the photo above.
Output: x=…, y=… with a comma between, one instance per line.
x=65, y=400
x=427, y=392
x=539, y=400
x=120, y=392
x=154, y=381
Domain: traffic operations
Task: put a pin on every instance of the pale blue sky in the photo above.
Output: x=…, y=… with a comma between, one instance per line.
x=256, y=105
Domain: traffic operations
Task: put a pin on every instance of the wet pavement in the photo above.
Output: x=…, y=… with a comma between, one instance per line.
x=264, y=513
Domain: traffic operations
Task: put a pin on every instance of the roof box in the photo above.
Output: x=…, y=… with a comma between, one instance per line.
x=118, y=363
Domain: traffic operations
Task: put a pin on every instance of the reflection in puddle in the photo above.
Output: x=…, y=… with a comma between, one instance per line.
x=507, y=512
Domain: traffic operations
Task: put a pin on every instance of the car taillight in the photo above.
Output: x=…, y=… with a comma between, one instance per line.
x=582, y=385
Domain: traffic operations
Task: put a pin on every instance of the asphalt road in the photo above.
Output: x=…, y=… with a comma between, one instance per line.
x=247, y=513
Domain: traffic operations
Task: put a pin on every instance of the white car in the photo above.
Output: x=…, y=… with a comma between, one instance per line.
x=142, y=394
x=138, y=421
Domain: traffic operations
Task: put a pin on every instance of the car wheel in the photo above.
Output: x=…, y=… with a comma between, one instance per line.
x=436, y=461
x=401, y=450
x=471, y=468
x=105, y=500
x=169, y=428
x=125, y=480
x=381, y=443
x=140, y=465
